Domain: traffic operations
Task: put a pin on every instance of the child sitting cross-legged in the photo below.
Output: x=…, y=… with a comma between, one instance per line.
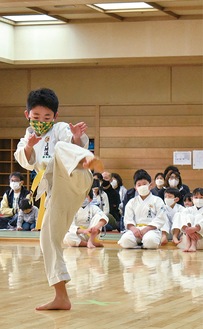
x=27, y=216
x=173, y=209
x=192, y=224
x=86, y=226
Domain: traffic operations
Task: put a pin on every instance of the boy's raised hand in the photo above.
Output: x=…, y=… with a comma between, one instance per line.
x=78, y=130
x=33, y=139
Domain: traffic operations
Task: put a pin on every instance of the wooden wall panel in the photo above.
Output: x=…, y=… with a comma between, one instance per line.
x=12, y=111
x=106, y=85
x=11, y=123
x=140, y=153
x=145, y=136
x=138, y=115
x=77, y=111
x=183, y=81
x=14, y=123
x=149, y=109
x=13, y=87
x=141, y=142
x=149, y=120
x=151, y=131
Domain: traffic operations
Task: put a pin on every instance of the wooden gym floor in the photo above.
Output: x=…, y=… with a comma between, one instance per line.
x=110, y=288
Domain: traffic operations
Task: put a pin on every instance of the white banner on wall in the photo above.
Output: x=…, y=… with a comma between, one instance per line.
x=198, y=159
x=182, y=158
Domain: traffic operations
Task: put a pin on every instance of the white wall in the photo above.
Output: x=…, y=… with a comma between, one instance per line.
x=6, y=41
x=109, y=40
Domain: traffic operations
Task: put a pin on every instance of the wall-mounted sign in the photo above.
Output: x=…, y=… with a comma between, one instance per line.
x=198, y=159
x=182, y=158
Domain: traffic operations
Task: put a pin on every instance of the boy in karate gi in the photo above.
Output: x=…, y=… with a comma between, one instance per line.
x=58, y=149
x=144, y=216
x=192, y=224
x=86, y=226
x=173, y=209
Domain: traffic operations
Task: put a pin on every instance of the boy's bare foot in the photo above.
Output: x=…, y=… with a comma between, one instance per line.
x=164, y=240
x=94, y=244
x=90, y=244
x=56, y=304
x=176, y=241
x=192, y=249
x=94, y=164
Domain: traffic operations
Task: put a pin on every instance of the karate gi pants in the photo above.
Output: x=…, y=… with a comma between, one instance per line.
x=67, y=187
x=151, y=240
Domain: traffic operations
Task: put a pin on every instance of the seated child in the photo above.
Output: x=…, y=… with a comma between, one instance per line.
x=27, y=216
x=171, y=198
x=192, y=224
x=187, y=200
x=86, y=226
x=100, y=198
x=144, y=216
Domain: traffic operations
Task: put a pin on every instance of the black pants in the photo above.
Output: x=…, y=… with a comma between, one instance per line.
x=7, y=222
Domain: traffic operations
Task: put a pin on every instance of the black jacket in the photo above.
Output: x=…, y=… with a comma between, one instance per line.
x=10, y=195
x=129, y=195
x=114, y=201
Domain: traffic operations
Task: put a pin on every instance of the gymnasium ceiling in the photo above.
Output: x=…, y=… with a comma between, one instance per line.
x=81, y=11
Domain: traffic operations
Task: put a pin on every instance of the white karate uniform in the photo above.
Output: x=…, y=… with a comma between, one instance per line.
x=43, y=151
x=172, y=214
x=186, y=216
x=122, y=193
x=141, y=213
x=85, y=218
x=194, y=216
x=66, y=187
x=102, y=201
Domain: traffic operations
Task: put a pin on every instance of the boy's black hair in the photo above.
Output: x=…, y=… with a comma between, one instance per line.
x=43, y=97
x=25, y=204
x=17, y=174
x=198, y=190
x=174, y=191
x=188, y=196
x=141, y=174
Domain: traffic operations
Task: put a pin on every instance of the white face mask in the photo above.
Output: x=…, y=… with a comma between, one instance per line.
x=143, y=190
x=198, y=202
x=15, y=185
x=85, y=203
x=114, y=183
x=169, y=202
x=159, y=182
x=173, y=182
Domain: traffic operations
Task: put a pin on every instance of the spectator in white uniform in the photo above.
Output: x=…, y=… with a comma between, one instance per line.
x=144, y=217
x=86, y=226
x=192, y=224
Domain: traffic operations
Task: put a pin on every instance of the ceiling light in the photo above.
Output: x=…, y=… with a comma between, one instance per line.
x=29, y=18
x=123, y=6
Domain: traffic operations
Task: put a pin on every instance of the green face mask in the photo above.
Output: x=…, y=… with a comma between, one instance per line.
x=41, y=127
